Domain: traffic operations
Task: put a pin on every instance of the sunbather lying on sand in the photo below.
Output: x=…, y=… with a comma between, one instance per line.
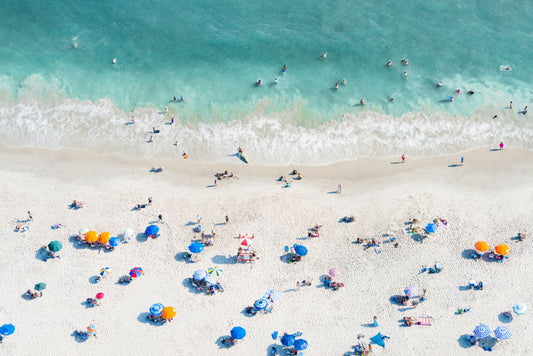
x=521, y=236
x=77, y=204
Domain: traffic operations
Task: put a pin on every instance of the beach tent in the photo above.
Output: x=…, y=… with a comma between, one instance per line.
x=300, y=344
x=40, y=286
x=431, y=228
x=287, y=340
x=238, y=333
x=378, y=339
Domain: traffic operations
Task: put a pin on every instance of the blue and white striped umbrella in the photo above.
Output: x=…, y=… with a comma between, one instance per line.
x=156, y=309
x=482, y=331
x=502, y=332
x=261, y=304
x=214, y=271
x=519, y=308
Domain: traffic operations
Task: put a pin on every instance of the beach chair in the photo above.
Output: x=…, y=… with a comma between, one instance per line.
x=245, y=256
x=424, y=321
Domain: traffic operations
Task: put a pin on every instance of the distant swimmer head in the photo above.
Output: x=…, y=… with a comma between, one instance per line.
x=405, y=74
x=389, y=63
x=336, y=85
x=324, y=55
x=441, y=83
x=259, y=82
x=404, y=61
x=391, y=99
x=362, y=101
x=344, y=82
x=458, y=91
x=115, y=60
x=75, y=45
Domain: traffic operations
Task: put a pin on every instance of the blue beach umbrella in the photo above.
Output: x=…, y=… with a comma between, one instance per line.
x=156, y=309
x=7, y=329
x=151, y=230
x=196, y=247
x=238, y=333
x=287, y=340
x=114, y=241
x=300, y=344
x=261, y=304
x=481, y=331
x=300, y=250
x=502, y=332
x=199, y=275
x=431, y=228
x=519, y=308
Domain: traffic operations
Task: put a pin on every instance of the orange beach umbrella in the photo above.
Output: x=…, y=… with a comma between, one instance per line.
x=502, y=249
x=168, y=313
x=481, y=246
x=91, y=236
x=104, y=237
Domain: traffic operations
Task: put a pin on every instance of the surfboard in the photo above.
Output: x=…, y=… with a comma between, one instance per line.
x=243, y=158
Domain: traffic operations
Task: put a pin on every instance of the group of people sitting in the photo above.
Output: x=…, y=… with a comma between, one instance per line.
x=293, y=173
x=293, y=258
x=33, y=294
x=21, y=228
x=81, y=240
x=313, y=232
x=202, y=285
x=208, y=240
x=224, y=174
x=76, y=204
x=157, y=318
x=229, y=341
x=329, y=283
x=157, y=169
x=92, y=302
x=48, y=254
x=125, y=279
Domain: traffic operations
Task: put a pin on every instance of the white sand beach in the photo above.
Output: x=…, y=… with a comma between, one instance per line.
x=489, y=198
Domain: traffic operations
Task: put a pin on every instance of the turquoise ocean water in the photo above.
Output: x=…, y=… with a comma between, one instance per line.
x=212, y=52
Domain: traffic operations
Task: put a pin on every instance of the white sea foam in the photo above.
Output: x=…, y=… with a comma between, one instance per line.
x=44, y=117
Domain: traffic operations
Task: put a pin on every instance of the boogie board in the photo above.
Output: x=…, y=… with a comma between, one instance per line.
x=243, y=158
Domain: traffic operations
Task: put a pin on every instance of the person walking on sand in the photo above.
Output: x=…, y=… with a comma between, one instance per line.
x=339, y=189
x=298, y=285
x=376, y=321
x=30, y=217
x=160, y=217
x=511, y=105
x=227, y=219
x=215, y=182
x=462, y=160
x=403, y=158
x=501, y=146
x=133, y=120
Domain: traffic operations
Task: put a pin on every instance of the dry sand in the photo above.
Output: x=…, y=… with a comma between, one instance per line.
x=489, y=198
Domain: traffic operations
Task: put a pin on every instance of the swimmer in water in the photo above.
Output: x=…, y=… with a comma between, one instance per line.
x=324, y=55
x=75, y=45
x=405, y=74
x=458, y=91
x=362, y=101
x=389, y=63
x=344, y=82
x=337, y=86
x=275, y=80
x=451, y=98
x=133, y=120
x=404, y=61
x=181, y=98
x=284, y=68
x=470, y=92
x=441, y=83
x=166, y=109
x=391, y=99
x=115, y=60
x=175, y=99
x=259, y=82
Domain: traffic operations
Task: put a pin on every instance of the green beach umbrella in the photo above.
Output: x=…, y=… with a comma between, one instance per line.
x=55, y=246
x=40, y=286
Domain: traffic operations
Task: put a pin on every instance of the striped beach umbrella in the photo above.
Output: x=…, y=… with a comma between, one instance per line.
x=214, y=271
x=410, y=291
x=156, y=309
x=245, y=241
x=502, y=332
x=482, y=331
x=104, y=272
x=520, y=308
x=93, y=328
x=261, y=304
x=136, y=272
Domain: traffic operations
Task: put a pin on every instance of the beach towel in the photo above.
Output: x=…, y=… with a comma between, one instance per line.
x=271, y=295
x=424, y=321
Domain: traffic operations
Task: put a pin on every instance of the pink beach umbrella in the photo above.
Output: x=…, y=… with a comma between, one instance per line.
x=100, y=296
x=410, y=291
x=334, y=272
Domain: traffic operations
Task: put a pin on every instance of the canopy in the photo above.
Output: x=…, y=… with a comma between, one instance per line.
x=100, y=295
x=238, y=333
x=168, y=313
x=104, y=237
x=378, y=339
x=481, y=331
x=151, y=230
x=199, y=275
x=128, y=232
x=300, y=250
x=410, y=291
x=55, y=246
x=114, y=241
x=481, y=246
x=287, y=340
x=210, y=280
x=40, y=286
x=84, y=230
x=520, y=308
x=502, y=249
x=196, y=247
x=136, y=272
x=502, y=332
x=104, y=272
x=214, y=271
x=334, y=272
x=156, y=309
x=261, y=304
x=431, y=227
x=7, y=329
x=93, y=328
x=91, y=236
x=300, y=344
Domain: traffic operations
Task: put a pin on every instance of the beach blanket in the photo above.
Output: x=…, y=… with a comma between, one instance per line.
x=271, y=296
x=424, y=321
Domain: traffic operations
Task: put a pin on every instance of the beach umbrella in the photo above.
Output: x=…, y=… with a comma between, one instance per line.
x=156, y=309
x=128, y=232
x=7, y=329
x=214, y=271
x=287, y=340
x=91, y=236
x=136, y=272
x=104, y=237
x=245, y=241
x=196, y=247
x=114, y=241
x=210, y=280
x=238, y=333
x=410, y=291
x=261, y=304
x=100, y=295
x=84, y=230
x=502, y=332
x=334, y=272
x=519, y=308
x=300, y=344
x=168, y=313
x=481, y=331
x=104, y=272
x=55, y=246
x=151, y=230
x=300, y=250
x=93, y=328
x=502, y=249
x=431, y=228
x=199, y=275
x=40, y=286
x=481, y=246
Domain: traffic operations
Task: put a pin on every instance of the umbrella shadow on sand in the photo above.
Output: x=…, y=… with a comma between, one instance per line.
x=505, y=319
x=76, y=244
x=78, y=337
x=141, y=237
x=192, y=289
x=464, y=341
x=143, y=318
x=224, y=260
